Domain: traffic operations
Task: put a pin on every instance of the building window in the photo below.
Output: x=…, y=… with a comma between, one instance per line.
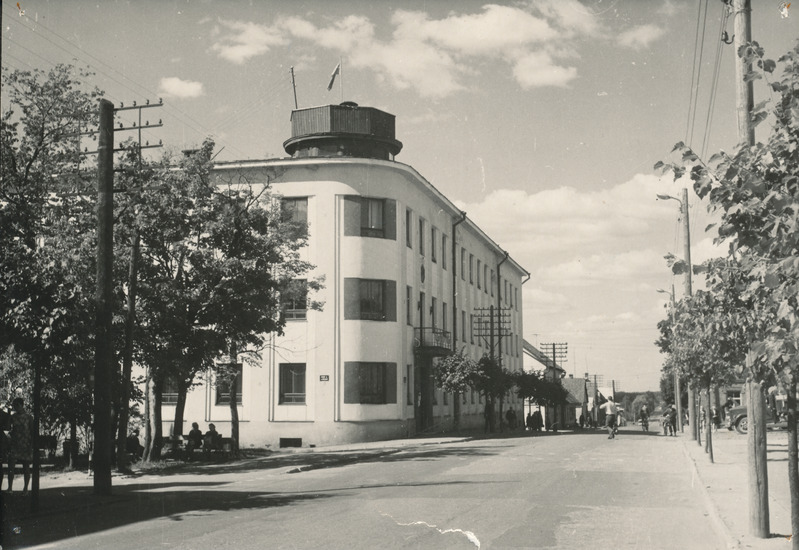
x=372, y=217
x=493, y=282
x=223, y=388
x=373, y=300
x=294, y=300
x=471, y=328
x=463, y=326
x=408, y=228
x=294, y=213
x=443, y=252
x=370, y=299
x=444, y=323
x=485, y=278
x=421, y=236
x=478, y=274
x=169, y=391
x=409, y=305
x=433, y=312
x=433, y=244
x=463, y=264
x=409, y=384
x=471, y=269
x=292, y=384
x=370, y=383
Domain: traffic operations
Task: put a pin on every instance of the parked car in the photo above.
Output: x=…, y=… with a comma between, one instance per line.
x=737, y=418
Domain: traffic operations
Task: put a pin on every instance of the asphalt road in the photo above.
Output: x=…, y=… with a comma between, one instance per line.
x=553, y=491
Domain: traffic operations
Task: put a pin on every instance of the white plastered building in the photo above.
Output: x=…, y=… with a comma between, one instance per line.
x=408, y=277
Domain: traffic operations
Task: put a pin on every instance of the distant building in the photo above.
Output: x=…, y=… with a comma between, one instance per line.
x=408, y=277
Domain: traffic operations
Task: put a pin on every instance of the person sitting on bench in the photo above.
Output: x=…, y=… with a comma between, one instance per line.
x=212, y=441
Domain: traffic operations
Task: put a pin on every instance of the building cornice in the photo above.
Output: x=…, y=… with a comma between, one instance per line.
x=406, y=169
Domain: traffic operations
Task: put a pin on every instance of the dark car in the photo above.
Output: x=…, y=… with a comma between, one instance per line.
x=737, y=418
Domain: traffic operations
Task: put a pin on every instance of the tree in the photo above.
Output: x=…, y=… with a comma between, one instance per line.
x=215, y=257
x=756, y=192
x=46, y=238
x=454, y=374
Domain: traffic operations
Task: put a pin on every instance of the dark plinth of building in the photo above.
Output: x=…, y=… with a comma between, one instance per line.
x=345, y=130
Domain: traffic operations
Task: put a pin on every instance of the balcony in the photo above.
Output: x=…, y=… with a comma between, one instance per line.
x=432, y=341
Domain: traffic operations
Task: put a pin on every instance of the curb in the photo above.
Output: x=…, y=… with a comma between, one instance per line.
x=721, y=529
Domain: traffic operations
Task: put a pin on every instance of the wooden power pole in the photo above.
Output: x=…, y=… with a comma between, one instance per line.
x=757, y=456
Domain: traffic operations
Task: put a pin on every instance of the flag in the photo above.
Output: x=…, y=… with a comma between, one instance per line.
x=333, y=76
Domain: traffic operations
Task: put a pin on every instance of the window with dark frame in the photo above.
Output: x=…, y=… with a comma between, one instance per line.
x=372, y=383
x=294, y=301
x=478, y=273
x=471, y=269
x=433, y=244
x=294, y=215
x=372, y=299
x=408, y=228
x=169, y=391
x=409, y=305
x=421, y=236
x=292, y=384
x=434, y=312
x=443, y=251
x=372, y=217
x=223, y=388
x=444, y=321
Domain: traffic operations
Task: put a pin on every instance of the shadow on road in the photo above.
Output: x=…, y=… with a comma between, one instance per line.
x=74, y=511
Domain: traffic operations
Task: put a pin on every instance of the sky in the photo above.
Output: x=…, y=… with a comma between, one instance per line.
x=541, y=119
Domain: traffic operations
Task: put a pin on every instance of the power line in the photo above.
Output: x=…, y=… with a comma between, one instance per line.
x=698, y=69
x=187, y=120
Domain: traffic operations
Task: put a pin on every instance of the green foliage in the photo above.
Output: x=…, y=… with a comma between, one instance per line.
x=756, y=192
x=46, y=242
x=454, y=373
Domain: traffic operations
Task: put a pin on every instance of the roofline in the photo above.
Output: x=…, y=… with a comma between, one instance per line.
x=454, y=210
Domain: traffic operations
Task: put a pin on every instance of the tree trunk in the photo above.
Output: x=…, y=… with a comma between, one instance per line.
x=127, y=357
x=234, y=405
x=758, y=471
x=501, y=416
x=456, y=412
x=692, y=412
x=709, y=424
x=793, y=462
x=73, y=447
x=152, y=450
x=180, y=409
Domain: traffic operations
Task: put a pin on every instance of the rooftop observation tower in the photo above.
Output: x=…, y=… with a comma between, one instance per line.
x=344, y=130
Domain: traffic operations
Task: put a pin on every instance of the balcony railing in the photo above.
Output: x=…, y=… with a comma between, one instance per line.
x=434, y=341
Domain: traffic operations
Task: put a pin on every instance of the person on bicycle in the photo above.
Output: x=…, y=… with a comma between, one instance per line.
x=644, y=418
x=611, y=410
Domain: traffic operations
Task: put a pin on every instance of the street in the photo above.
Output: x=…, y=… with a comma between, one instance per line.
x=547, y=491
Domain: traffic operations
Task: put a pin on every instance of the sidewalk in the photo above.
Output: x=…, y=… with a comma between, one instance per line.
x=724, y=484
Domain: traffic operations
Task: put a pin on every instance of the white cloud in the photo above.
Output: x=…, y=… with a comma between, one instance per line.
x=640, y=37
x=536, y=69
x=175, y=87
x=245, y=40
x=435, y=57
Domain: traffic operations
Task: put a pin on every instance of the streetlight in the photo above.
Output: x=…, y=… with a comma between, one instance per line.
x=677, y=392
x=688, y=292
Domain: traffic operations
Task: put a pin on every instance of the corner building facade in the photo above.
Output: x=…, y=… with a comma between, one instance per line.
x=407, y=279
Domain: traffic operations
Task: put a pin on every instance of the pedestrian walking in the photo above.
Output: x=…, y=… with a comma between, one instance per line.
x=673, y=420
x=611, y=410
x=21, y=446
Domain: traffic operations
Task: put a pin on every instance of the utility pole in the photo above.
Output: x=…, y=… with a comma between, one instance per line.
x=756, y=434
x=688, y=292
x=103, y=348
